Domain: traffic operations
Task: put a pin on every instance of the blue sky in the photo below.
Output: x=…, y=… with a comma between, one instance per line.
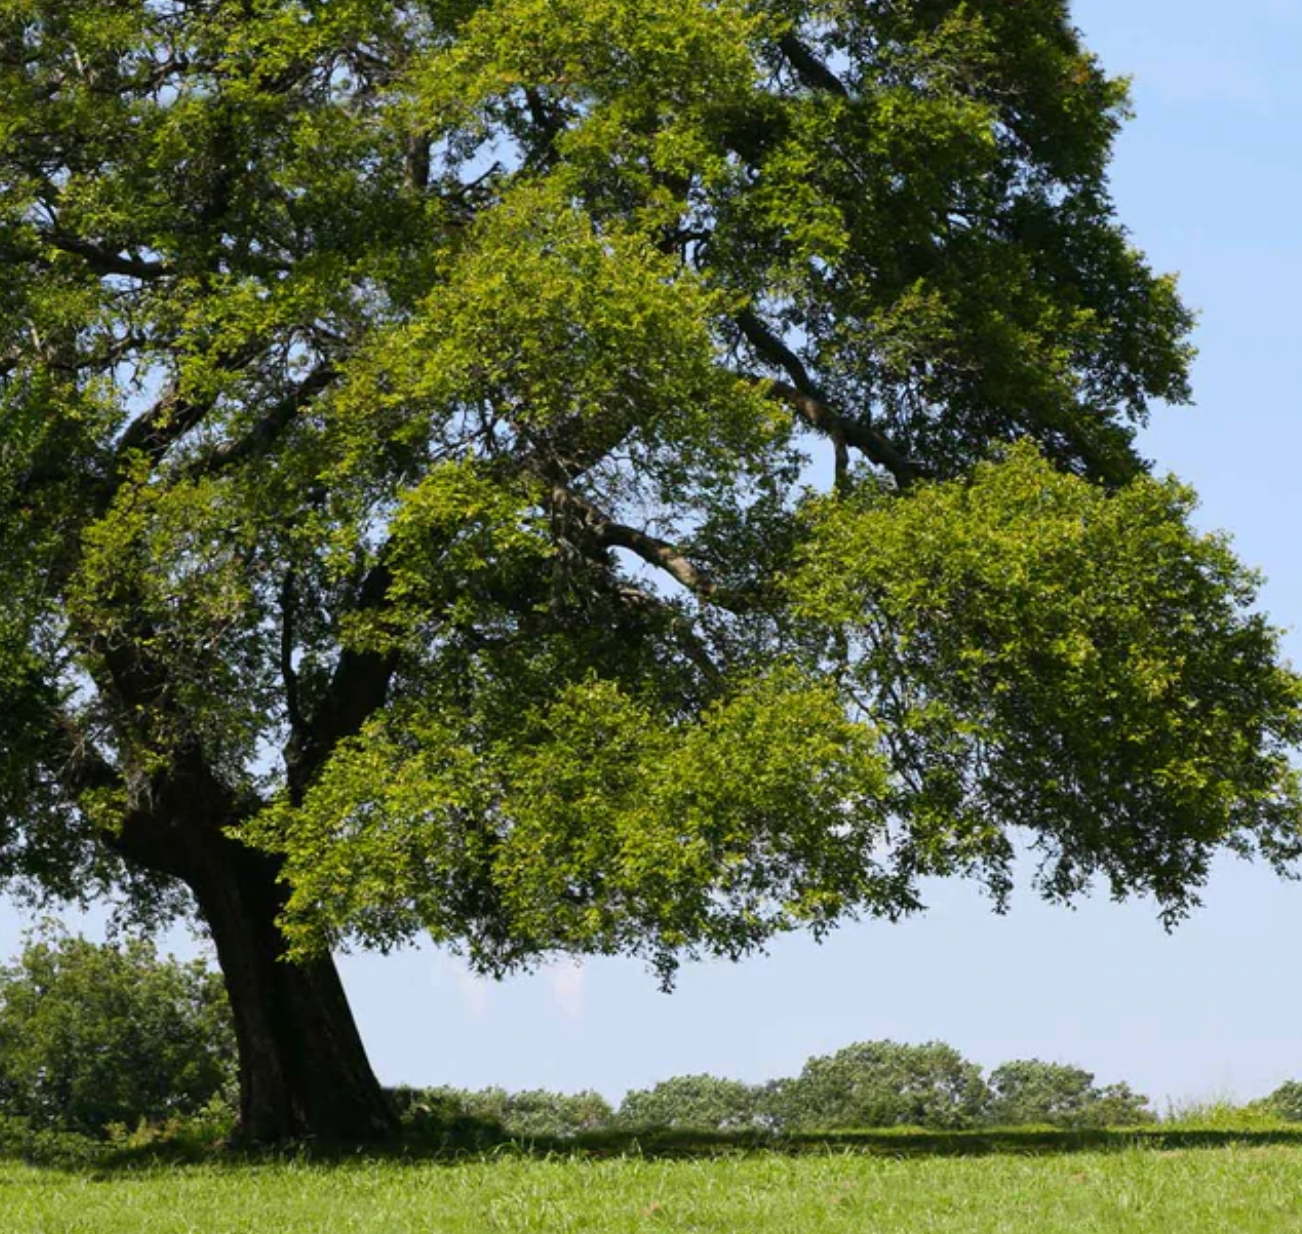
x=1205, y=180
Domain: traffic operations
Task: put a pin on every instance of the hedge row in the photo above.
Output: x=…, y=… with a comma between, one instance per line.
x=869, y=1085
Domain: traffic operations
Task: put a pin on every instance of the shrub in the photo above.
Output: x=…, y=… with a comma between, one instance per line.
x=494, y=1111
x=538, y=1112
x=1118, y=1105
x=1029, y=1091
x=882, y=1084
x=696, y=1103
x=1286, y=1102
x=869, y=1085
x=93, y=1035
x=19, y=1140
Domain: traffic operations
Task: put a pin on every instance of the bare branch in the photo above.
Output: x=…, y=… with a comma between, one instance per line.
x=772, y=349
x=864, y=438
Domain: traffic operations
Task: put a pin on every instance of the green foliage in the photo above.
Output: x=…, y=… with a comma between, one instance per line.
x=96, y=1035
x=615, y=827
x=404, y=411
x=1033, y=647
x=698, y=1103
x=493, y=1113
x=871, y=1085
x=21, y=1141
x=1285, y=1102
x=883, y=1084
x=1030, y=1092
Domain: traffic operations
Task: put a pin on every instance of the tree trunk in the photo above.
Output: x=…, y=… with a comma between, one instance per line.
x=303, y=1069
x=304, y=1073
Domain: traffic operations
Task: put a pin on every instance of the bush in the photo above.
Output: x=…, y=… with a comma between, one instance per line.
x=882, y=1084
x=19, y=1140
x=493, y=1111
x=1285, y=1102
x=538, y=1112
x=1030, y=1092
x=96, y=1035
x=697, y=1103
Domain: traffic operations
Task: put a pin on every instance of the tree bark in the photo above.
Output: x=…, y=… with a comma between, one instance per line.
x=304, y=1073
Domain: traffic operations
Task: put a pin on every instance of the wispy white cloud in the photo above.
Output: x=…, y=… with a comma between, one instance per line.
x=566, y=980
x=473, y=990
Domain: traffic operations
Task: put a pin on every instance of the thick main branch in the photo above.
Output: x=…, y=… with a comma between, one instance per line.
x=104, y=260
x=812, y=405
x=174, y=414
x=266, y=431
x=608, y=533
x=809, y=68
x=359, y=687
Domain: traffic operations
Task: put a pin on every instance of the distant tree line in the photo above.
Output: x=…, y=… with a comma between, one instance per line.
x=871, y=1084
x=99, y=1039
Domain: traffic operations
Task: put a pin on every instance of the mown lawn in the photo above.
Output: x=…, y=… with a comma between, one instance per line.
x=1234, y=1189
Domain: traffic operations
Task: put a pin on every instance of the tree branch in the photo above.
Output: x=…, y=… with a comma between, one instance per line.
x=82, y=768
x=358, y=688
x=549, y=125
x=263, y=434
x=104, y=260
x=867, y=440
x=773, y=350
x=288, y=674
x=691, y=643
x=155, y=431
x=656, y=552
x=809, y=68
x=809, y=402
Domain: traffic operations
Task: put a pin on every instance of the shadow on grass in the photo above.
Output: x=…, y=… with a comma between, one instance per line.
x=908, y=1142
x=458, y=1144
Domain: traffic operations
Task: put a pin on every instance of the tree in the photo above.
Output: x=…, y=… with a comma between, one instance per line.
x=883, y=1084
x=405, y=412
x=1029, y=1091
x=98, y=1034
x=697, y=1103
x=1284, y=1103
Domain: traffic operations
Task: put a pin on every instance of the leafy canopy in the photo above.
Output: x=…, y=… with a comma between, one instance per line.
x=883, y=1084
x=697, y=1103
x=406, y=424
x=93, y=1035
x=1030, y=1091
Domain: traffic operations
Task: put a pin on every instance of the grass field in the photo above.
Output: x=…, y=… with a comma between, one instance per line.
x=1242, y=1187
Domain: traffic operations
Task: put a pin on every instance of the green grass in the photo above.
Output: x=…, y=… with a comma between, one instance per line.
x=1241, y=1186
